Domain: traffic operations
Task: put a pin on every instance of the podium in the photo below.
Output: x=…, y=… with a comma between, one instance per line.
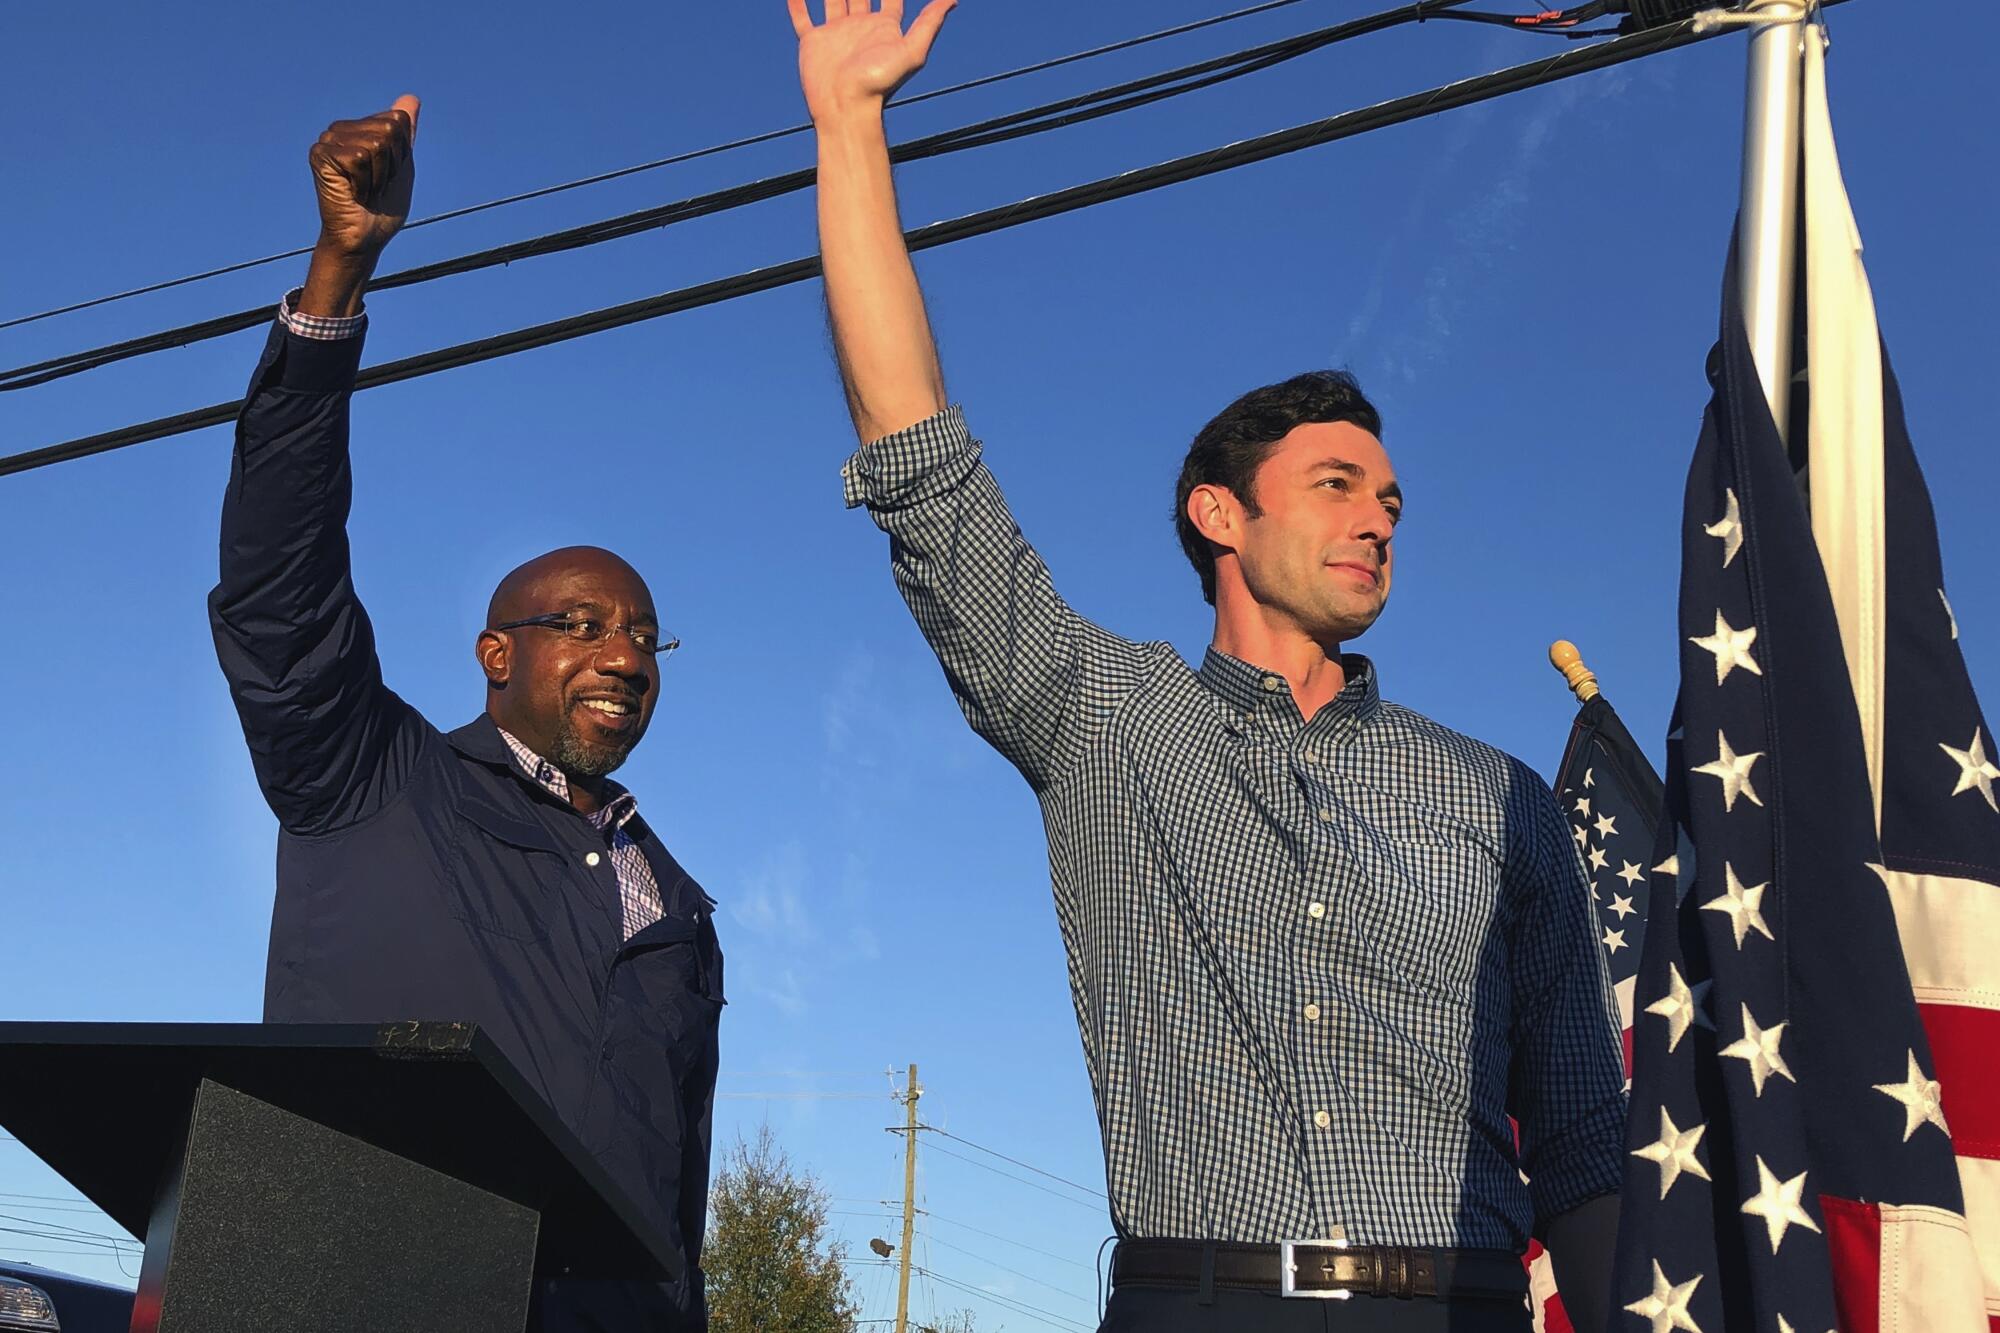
x=322, y=1177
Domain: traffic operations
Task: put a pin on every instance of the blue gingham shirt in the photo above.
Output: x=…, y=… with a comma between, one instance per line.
x=1316, y=963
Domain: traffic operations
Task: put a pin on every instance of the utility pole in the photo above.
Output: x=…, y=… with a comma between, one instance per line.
x=910, y=1095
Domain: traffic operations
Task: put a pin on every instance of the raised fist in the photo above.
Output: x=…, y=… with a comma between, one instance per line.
x=364, y=171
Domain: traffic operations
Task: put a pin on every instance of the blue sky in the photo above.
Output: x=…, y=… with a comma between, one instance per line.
x=1527, y=288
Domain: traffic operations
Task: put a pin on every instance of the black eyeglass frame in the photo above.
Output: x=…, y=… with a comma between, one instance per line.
x=563, y=620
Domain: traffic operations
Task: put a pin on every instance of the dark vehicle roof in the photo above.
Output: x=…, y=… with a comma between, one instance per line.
x=83, y=1304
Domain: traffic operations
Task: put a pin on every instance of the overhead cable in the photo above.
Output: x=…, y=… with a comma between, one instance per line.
x=748, y=141
x=1015, y=1161
x=1059, y=114
x=1465, y=92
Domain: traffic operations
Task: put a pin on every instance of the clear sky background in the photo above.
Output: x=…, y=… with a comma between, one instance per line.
x=1528, y=288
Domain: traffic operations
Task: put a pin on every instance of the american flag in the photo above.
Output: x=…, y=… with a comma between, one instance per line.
x=1818, y=1001
x=1612, y=798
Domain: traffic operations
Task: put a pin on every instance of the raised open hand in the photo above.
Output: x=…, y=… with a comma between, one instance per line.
x=363, y=171
x=859, y=55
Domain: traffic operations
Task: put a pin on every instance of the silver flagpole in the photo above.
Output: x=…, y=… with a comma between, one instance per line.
x=1768, y=226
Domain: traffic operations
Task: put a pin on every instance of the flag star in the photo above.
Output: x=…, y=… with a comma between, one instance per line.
x=1777, y=1202
x=1758, y=1048
x=1681, y=1007
x=1667, y=1308
x=1583, y=806
x=1949, y=614
x=1742, y=905
x=1614, y=940
x=1597, y=859
x=1733, y=771
x=1785, y=1326
x=1631, y=874
x=1582, y=836
x=1920, y=1097
x=1607, y=826
x=1590, y=774
x=1680, y=865
x=1974, y=768
x=1673, y=1152
x=1731, y=648
x=1622, y=906
x=1729, y=527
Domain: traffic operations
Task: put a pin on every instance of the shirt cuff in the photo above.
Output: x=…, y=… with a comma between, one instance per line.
x=914, y=464
x=1586, y=1161
x=319, y=328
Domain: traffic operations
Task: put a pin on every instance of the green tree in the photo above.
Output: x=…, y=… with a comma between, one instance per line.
x=769, y=1262
x=954, y=1323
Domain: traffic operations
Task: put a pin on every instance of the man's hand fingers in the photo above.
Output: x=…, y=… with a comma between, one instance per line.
x=410, y=105
x=894, y=9
x=802, y=20
x=837, y=9
x=925, y=30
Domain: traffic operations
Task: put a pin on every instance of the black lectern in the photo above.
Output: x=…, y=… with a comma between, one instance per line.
x=309, y=1177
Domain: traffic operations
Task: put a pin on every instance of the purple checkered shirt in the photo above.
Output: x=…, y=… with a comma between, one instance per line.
x=638, y=891
x=320, y=328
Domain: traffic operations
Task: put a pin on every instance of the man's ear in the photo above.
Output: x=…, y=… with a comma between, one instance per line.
x=495, y=657
x=1216, y=514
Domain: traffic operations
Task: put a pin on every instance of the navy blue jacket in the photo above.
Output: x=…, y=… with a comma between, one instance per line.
x=422, y=875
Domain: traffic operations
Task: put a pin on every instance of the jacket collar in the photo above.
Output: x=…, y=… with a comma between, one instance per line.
x=480, y=740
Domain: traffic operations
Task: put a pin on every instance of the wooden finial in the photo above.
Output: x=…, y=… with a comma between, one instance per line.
x=1564, y=657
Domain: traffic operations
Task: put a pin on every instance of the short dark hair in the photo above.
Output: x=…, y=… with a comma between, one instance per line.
x=1231, y=448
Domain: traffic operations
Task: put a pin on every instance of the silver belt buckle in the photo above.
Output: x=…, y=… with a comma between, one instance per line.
x=1288, y=1267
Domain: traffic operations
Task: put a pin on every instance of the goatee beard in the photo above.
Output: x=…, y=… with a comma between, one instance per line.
x=581, y=759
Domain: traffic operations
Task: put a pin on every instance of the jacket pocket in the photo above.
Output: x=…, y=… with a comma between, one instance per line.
x=507, y=870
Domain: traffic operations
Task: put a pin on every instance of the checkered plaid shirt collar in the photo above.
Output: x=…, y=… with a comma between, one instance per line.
x=1250, y=690
x=613, y=814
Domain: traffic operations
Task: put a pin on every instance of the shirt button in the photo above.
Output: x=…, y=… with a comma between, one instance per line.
x=1310, y=755
x=1316, y=910
x=1321, y=1119
x=1326, y=816
x=1271, y=684
x=592, y=859
x=1312, y=1013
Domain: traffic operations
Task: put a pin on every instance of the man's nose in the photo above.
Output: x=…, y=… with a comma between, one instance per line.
x=619, y=655
x=1374, y=524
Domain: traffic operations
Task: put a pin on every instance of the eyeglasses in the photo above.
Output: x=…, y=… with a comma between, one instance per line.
x=593, y=632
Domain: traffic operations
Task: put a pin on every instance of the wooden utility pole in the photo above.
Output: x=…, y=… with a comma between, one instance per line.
x=910, y=1095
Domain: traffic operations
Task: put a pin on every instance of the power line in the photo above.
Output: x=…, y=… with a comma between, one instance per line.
x=1029, y=1277
x=748, y=141
x=1465, y=92
x=999, y=129
x=73, y=1231
x=1007, y=1240
x=1018, y=1180
x=1010, y=1303
x=1018, y=1162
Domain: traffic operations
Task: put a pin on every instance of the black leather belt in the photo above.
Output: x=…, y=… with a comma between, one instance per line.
x=1322, y=1269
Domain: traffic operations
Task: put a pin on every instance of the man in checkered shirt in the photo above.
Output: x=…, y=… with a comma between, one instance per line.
x=493, y=873
x=1321, y=948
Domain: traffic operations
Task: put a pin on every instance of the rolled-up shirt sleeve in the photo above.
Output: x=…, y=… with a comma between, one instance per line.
x=1567, y=1081
x=1033, y=677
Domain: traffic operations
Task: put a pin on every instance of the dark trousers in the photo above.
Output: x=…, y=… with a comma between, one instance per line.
x=1136, y=1308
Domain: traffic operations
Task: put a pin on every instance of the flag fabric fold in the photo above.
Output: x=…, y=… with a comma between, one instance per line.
x=1816, y=1014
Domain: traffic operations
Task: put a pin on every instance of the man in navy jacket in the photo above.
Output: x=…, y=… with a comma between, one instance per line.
x=492, y=873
